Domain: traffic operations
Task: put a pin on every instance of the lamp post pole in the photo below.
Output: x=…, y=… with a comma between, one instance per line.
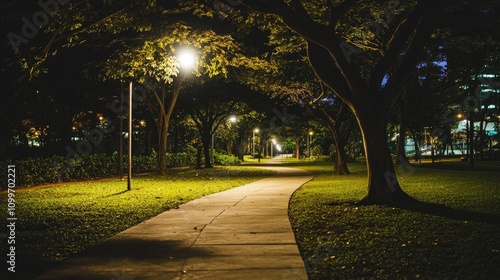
x=253, y=143
x=129, y=175
x=213, y=147
x=309, y=140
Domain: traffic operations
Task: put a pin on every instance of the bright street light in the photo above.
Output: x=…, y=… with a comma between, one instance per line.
x=187, y=59
x=233, y=119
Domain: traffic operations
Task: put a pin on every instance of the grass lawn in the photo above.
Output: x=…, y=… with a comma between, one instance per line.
x=250, y=159
x=454, y=236
x=55, y=222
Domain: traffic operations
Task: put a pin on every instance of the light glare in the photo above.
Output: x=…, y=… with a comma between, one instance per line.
x=186, y=59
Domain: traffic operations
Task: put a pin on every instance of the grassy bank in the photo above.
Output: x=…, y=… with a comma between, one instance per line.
x=56, y=222
x=453, y=236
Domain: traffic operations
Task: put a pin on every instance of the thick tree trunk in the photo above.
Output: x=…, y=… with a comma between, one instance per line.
x=340, y=167
x=229, y=148
x=241, y=149
x=383, y=185
x=206, y=141
x=297, y=147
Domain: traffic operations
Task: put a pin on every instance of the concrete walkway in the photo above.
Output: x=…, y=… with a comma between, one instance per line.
x=242, y=233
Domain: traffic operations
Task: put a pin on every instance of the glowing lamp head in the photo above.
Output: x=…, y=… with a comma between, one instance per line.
x=186, y=59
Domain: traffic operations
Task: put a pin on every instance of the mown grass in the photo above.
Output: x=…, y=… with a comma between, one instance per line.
x=250, y=159
x=453, y=235
x=56, y=222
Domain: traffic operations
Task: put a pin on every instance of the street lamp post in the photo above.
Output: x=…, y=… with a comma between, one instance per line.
x=213, y=147
x=129, y=173
x=231, y=141
x=309, y=140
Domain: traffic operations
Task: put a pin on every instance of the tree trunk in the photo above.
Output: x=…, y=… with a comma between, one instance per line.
x=206, y=140
x=400, y=149
x=229, y=148
x=241, y=149
x=162, y=148
x=383, y=185
x=167, y=113
x=297, y=147
x=340, y=167
x=198, y=156
x=416, y=145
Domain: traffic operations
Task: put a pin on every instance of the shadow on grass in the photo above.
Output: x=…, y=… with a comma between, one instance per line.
x=452, y=213
x=437, y=210
x=118, y=193
x=490, y=166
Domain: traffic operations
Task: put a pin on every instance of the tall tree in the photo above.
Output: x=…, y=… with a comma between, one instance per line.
x=362, y=50
x=210, y=106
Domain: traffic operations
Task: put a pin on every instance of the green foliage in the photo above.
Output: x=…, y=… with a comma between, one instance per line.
x=223, y=159
x=181, y=159
x=39, y=171
x=144, y=163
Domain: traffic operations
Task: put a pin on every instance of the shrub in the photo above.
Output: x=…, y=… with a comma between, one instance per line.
x=37, y=171
x=226, y=160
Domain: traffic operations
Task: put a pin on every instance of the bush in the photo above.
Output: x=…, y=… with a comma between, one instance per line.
x=225, y=160
x=186, y=158
x=38, y=171
x=144, y=163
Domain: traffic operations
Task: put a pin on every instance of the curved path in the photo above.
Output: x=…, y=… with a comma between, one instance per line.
x=242, y=233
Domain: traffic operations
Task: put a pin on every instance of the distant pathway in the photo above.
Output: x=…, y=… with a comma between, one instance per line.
x=242, y=233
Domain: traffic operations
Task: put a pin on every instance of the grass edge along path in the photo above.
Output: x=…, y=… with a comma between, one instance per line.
x=56, y=222
x=455, y=236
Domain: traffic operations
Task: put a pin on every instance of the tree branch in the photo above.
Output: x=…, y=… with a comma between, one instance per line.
x=400, y=38
x=315, y=32
x=422, y=32
x=323, y=66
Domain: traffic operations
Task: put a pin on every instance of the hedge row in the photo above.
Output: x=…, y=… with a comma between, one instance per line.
x=37, y=171
x=58, y=169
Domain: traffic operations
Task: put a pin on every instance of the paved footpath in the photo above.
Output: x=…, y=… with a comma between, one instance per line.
x=242, y=233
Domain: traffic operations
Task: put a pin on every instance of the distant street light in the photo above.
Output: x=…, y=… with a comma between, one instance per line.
x=253, y=141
